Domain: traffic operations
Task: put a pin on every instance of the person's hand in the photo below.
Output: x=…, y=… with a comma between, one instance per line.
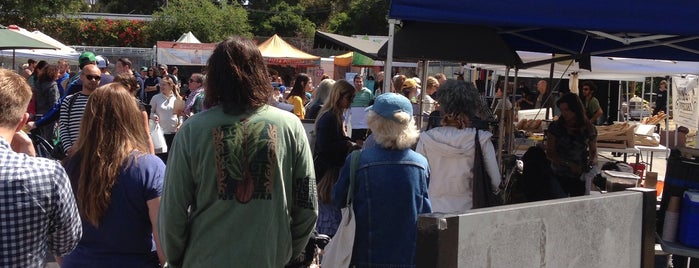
x=70, y=151
x=21, y=143
x=577, y=169
x=156, y=118
x=31, y=125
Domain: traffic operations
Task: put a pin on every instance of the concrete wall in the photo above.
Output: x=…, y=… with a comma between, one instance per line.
x=592, y=231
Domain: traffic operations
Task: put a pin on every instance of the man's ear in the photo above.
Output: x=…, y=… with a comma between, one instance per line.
x=22, y=122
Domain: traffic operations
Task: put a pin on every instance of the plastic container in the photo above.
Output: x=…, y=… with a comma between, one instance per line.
x=689, y=220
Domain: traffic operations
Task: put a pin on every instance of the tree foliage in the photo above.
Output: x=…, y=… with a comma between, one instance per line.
x=24, y=12
x=126, y=6
x=363, y=17
x=208, y=21
x=286, y=20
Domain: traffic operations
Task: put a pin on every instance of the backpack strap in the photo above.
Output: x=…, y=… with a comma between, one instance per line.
x=354, y=164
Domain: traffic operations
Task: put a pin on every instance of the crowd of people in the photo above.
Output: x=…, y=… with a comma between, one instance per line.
x=235, y=179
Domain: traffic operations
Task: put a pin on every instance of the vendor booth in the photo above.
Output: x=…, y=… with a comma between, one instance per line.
x=285, y=60
x=186, y=51
x=644, y=29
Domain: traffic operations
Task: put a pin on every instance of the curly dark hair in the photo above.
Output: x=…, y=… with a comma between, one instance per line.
x=576, y=106
x=237, y=77
x=458, y=97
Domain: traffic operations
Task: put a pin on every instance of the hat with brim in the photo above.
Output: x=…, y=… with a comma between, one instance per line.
x=388, y=104
x=86, y=58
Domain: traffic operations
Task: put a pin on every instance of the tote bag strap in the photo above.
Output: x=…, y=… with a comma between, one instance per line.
x=354, y=164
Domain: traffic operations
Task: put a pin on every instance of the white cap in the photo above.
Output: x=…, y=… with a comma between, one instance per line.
x=102, y=62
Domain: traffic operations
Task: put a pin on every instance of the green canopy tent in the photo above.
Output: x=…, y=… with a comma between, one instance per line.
x=11, y=39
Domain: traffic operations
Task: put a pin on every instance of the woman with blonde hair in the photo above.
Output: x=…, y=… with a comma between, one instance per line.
x=390, y=187
x=117, y=185
x=320, y=96
x=131, y=85
x=450, y=148
x=331, y=147
x=163, y=112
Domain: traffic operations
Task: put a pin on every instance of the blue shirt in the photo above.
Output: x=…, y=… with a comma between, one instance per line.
x=124, y=237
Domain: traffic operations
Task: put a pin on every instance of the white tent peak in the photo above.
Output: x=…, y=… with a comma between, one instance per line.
x=188, y=37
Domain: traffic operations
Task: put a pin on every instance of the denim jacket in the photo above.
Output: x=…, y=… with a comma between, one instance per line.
x=390, y=191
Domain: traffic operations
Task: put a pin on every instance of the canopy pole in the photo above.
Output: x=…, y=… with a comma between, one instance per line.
x=13, y=59
x=423, y=91
x=501, y=132
x=388, y=68
x=650, y=100
x=620, y=101
x=510, y=128
x=668, y=92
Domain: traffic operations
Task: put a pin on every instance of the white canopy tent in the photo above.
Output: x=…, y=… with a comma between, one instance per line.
x=63, y=51
x=603, y=68
x=188, y=37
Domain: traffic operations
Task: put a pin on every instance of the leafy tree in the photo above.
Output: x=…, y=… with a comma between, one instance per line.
x=23, y=12
x=209, y=22
x=363, y=17
x=286, y=20
x=126, y=6
x=317, y=11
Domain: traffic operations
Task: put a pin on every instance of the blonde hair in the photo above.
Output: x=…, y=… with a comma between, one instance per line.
x=15, y=94
x=397, y=134
x=173, y=86
x=338, y=91
x=110, y=131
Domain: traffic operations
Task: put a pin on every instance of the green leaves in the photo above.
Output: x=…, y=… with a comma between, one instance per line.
x=209, y=22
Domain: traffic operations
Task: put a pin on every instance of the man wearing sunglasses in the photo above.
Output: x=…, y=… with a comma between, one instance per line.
x=73, y=107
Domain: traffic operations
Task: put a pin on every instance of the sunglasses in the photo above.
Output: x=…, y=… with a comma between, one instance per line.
x=93, y=77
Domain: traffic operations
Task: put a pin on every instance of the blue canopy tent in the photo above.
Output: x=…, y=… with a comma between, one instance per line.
x=645, y=29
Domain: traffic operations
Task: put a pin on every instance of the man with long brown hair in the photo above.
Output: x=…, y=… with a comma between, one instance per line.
x=37, y=207
x=239, y=185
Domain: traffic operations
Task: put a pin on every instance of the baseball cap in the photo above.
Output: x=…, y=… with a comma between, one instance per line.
x=162, y=66
x=409, y=83
x=144, y=68
x=388, y=104
x=102, y=62
x=86, y=58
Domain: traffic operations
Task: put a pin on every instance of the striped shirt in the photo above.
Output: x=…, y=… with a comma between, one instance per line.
x=37, y=210
x=69, y=121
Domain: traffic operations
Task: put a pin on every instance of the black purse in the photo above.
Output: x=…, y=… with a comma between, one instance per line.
x=483, y=194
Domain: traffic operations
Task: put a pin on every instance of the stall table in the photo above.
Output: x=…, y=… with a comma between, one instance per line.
x=650, y=150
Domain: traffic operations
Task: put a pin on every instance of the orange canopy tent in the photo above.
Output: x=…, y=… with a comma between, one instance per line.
x=276, y=51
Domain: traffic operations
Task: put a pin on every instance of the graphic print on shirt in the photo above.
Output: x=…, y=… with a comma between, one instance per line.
x=244, y=155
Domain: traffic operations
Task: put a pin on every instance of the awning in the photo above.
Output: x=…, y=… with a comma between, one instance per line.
x=451, y=42
x=340, y=42
x=276, y=51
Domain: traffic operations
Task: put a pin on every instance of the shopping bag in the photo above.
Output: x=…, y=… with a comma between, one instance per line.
x=158, y=137
x=338, y=253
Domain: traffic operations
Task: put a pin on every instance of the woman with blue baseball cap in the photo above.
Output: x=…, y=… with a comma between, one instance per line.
x=390, y=187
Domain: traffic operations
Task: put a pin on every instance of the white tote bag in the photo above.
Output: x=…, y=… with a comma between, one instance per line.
x=338, y=253
x=158, y=137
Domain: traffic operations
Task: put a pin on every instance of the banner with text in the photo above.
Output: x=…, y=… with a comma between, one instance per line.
x=194, y=54
x=684, y=100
